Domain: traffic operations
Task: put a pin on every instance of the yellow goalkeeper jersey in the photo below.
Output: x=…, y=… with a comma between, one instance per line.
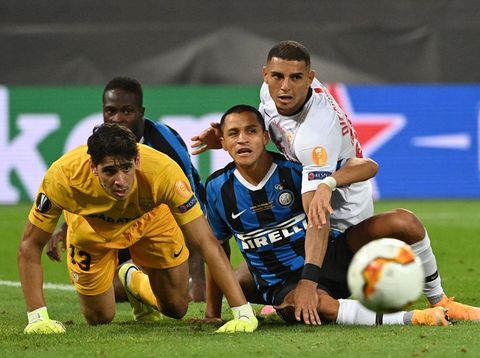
x=71, y=185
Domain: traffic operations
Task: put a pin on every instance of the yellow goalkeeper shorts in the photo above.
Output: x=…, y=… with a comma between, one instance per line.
x=154, y=240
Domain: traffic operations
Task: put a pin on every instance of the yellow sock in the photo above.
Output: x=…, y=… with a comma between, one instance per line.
x=140, y=286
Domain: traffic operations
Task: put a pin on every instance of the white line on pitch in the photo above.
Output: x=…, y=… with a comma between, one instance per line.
x=46, y=285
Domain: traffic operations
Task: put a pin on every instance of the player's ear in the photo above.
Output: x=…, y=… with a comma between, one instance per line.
x=222, y=141
x=137, y=160
x=266, y=138
x=93, y=167
x=311, y=76
x=264, y=73
x=142, y=111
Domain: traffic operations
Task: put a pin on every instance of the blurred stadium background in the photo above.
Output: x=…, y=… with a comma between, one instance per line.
x=406, y=73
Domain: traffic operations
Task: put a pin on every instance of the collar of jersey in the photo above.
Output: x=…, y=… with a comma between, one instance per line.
x=260, y=185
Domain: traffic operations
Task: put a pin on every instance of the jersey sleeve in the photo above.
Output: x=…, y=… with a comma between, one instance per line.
x=319, y=154
x=188, y=168
x=46, y=209
x=177, y=193
x=167, y=140
x=267, y=106
x=219, y=227
x=264, y=94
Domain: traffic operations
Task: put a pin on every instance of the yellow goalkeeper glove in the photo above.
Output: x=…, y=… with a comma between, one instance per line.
x=40, y=323
x=244, y=320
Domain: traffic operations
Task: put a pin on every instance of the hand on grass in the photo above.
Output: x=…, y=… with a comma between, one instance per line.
x=40, y=323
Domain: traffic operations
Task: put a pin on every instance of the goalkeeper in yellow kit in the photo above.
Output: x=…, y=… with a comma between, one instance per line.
x=114, y=194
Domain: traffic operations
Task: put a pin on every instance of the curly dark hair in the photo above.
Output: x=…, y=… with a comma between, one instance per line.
x=111, y=139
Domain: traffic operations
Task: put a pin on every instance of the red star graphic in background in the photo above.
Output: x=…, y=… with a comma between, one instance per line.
x=373, y=129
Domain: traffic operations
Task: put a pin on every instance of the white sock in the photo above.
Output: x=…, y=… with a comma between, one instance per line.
x=128, y=277
x=352, y=312
x=433, y=284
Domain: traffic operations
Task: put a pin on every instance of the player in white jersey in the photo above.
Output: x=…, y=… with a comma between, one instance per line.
x=321, y=146
x=308, y=126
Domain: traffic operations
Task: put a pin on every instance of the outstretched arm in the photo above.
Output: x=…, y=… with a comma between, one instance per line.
x=306, y=299
x=355, y=170
x=317, y=205
x=199, y=234
x=208, y=139
x=31, y=276
x=213, y=308
x=30, y=267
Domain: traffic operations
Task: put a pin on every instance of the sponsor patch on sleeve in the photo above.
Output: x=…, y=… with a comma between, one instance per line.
x=319, y=156
x=318, y=175
x=188, y=205
x=43, y=203
x=183, y=189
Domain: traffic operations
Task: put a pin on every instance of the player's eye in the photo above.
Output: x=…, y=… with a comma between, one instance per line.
x=109, y=171
x=126, y=167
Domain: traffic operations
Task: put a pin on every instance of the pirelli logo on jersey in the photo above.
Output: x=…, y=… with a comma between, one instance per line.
x=188, y=205
x=264, y=237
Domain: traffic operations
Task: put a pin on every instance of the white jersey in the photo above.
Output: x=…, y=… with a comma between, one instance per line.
x=322, y=139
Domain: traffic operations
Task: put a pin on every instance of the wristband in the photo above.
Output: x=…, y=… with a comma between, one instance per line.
x=243, y=311
x=311, y=272
x=330, y=182
x=40, y=314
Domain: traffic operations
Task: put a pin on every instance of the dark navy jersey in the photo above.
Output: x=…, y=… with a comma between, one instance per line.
x=267, y=220
x=166, y=140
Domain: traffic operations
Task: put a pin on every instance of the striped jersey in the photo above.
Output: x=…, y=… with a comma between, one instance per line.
x=267, y=220
x=165, y=139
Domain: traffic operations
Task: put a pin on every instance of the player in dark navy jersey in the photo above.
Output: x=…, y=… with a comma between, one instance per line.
x=257, y=199
x=123, y=104
x=166, y=140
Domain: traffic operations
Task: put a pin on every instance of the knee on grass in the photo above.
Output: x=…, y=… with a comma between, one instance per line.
x=96, y=318
x=174, y=309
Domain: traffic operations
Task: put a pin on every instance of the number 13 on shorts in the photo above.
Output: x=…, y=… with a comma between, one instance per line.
x=80, y=258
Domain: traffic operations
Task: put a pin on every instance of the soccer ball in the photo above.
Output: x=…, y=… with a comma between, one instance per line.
x=386, y=276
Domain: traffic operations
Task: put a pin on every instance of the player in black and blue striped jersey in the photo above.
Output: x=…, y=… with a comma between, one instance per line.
x=257, y=199
x=166, y=140
x=266, y=219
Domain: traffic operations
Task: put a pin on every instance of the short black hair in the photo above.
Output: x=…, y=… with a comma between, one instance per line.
x=291, y=51
x=111, y=139
x=126, y=84
x=241, y=108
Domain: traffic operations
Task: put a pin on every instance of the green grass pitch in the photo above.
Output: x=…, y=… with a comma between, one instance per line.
x=454, y=228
